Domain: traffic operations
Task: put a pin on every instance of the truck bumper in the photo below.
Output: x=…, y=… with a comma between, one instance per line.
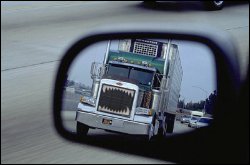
x=117, y=125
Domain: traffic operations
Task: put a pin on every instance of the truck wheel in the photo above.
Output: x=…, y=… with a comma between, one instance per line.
x=170, y=120
x=145, y=139
x=160, y=134
x=214, y=5
x=170, y=127
x=148, y=138
x=81, y=129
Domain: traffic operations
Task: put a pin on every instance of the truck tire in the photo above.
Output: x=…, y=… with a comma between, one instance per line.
x=214, y=5
x=160, y=135
x=81, y=129
x=170, y=120
x=170, y=127
x=148, y=138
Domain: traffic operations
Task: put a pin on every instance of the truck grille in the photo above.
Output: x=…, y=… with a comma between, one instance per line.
x=116, y=100
x=145, y=49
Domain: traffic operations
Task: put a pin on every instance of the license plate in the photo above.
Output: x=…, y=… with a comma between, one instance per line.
x=106, y=121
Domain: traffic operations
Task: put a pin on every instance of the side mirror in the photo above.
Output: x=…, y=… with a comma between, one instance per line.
x=133, y=88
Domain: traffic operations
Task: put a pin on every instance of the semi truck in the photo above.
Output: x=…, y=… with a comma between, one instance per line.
x=135, y=90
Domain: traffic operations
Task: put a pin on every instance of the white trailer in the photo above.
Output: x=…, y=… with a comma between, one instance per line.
x=197, y=114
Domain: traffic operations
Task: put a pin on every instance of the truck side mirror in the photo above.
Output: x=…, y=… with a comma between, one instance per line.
x=116, y=96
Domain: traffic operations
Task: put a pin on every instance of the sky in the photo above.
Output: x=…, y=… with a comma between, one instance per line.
x=198, y=65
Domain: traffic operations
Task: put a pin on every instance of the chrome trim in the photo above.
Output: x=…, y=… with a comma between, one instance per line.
x=156, y=99
x=118, y=125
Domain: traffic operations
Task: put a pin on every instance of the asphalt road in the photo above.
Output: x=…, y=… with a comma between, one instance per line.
x=34, y=35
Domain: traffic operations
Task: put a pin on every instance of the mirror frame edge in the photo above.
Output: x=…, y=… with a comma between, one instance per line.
x=227, y=67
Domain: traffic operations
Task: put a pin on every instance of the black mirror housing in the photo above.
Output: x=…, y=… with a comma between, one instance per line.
x=228, y=82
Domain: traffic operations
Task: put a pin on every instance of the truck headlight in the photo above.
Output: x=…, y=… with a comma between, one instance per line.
x=144, y=111
x=86, y=100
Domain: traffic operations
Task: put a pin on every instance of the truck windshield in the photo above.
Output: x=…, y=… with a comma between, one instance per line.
x=118, y=71
x=143, y=77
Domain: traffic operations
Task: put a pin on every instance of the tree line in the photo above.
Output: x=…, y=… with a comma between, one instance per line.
x=199, y=106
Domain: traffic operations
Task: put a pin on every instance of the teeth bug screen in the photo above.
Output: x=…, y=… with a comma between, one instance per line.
x=116, y=100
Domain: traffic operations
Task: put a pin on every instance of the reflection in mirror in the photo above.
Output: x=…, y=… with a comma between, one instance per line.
x=148, y=87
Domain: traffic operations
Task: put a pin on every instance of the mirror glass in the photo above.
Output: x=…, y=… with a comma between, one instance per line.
x=143, y=87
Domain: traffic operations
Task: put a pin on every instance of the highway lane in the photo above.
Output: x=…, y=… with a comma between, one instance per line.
x=33, y=39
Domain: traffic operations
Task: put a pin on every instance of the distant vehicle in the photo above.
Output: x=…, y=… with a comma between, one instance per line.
x=197, y=113
x=192, y=122
x=209, y=5
x=203, y=122
x=214, y=5
x=185, y=119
